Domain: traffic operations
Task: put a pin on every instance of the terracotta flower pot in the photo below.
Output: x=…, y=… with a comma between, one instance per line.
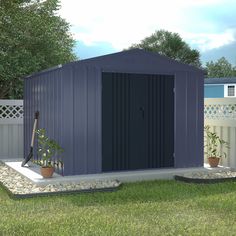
x=213, y=161
x=47, y=172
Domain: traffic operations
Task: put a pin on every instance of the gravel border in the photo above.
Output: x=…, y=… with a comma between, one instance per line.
x=18, y=186
x=210, y=177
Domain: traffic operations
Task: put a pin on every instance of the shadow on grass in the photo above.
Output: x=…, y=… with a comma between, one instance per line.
x=146, y=191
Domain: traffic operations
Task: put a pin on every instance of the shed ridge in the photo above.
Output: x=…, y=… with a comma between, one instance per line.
x=119, y=57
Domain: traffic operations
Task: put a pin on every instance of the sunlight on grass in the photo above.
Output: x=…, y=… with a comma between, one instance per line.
x=145, y=208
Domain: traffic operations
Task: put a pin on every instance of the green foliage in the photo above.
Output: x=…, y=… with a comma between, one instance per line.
x=47, y=148
x=33, y=37
x=171, y=45
x=220, y=68
x=214, y=144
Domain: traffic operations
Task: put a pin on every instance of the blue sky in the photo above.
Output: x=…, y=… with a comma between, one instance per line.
x=106, y=26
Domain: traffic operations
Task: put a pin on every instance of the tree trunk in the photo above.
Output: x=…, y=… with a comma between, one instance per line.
x=4, y=91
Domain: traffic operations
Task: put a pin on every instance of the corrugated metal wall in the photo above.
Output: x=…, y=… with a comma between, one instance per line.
x=69, y=101
x=44, y=94
x=87, y=120
x=68, y=105
x=189, y=119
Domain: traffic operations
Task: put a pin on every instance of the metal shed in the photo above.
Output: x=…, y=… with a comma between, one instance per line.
x=124, y=111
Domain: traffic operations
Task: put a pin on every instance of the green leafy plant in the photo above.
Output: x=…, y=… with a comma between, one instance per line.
x=33, y=37
x=47, y=148
x=214, y=144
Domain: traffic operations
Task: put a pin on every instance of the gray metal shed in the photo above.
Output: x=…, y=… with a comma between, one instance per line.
x=124, y=111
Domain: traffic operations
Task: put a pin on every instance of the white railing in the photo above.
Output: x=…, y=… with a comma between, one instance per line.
x=11, y=129
x=220, y=115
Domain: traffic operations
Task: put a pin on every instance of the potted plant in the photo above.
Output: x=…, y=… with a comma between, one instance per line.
x=47, y=149
x=214, y=146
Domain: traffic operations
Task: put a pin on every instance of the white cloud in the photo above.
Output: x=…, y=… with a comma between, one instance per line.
x=208, y=41
x=125, y=22
x=201, y=2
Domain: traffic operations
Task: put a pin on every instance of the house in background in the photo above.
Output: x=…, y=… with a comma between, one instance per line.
x=220, y=87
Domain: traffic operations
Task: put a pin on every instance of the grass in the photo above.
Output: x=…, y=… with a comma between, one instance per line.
x=145, y=208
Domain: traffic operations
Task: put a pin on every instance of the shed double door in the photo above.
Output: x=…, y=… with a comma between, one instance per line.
x=137, y=121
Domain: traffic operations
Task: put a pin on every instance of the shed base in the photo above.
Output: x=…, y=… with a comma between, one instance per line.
x=32, y=173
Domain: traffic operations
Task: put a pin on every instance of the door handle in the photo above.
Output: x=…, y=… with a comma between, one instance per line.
x=142, y=111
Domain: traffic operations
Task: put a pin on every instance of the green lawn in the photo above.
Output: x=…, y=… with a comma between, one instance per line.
x=146, y=208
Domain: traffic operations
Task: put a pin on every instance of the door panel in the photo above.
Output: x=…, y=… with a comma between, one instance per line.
x=137, y=121
x=115, y=121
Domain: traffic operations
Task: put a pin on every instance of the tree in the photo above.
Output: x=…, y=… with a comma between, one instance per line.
x=33, y=37
x=171, y=45
x=220, y=68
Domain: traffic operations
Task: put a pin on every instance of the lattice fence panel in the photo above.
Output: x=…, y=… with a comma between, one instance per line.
x=11, y=111
x=220, y=111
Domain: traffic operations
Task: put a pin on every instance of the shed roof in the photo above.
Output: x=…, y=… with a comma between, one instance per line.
x=225, y=80
x=124, y=58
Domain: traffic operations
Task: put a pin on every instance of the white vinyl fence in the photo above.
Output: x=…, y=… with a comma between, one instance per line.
x=11, y=129
x=220, y=115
